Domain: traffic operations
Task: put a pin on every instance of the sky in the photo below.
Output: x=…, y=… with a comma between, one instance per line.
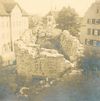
x=41, y=7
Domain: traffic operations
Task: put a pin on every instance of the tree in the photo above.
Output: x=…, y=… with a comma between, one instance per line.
x=68, y=19
x=34, y=21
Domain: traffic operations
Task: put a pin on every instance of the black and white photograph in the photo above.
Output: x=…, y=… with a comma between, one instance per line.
x=49, y=50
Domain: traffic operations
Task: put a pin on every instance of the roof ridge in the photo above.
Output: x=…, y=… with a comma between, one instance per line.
x=7, y=7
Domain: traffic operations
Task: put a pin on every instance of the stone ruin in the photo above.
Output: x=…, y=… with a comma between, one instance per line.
x=32, y=59
x=71, y=46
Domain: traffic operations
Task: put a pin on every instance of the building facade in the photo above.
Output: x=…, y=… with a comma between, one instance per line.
x=90, y=31
x=13, y=23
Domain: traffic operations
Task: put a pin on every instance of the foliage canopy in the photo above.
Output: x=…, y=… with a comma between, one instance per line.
x=69, y=20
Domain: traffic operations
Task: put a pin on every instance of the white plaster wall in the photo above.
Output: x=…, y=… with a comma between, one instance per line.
x=4, y=33
x=25, y=24
x=16, y=23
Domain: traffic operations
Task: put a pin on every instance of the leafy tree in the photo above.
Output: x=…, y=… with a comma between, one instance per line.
x=31, y=24
x=69, y=20
x=34, y=21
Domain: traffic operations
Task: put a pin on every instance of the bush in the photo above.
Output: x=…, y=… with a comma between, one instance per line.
x=90, y=61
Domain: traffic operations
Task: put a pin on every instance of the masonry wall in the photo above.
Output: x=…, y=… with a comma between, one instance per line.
x=42, y=65
x=71, y=46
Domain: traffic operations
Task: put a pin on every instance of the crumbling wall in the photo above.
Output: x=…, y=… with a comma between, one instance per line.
x=32, y=59
x=71, y=46
x=39, y=61
x=63, y=42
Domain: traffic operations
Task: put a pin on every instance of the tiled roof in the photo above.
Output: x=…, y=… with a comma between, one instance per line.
x=7, y=7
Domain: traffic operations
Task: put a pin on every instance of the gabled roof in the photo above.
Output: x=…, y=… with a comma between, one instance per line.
x=92, y=11
x=7, y=7
x=2, y=10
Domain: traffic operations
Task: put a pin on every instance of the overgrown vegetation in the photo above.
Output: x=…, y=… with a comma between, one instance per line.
x=90, y=61
x=65, y=19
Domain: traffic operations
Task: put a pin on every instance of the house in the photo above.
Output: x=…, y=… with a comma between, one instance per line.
x=13, y=23
x=90, y=31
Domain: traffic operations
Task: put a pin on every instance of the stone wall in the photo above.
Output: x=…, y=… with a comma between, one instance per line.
x=71, y=46
x=62, y=41
x=33, y=60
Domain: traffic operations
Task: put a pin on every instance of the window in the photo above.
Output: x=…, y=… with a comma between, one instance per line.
x=98, y=32
x=92, y=31
x=97, y=43
x=94, y=43
x=89, y=21
x=89, y=31
x=97, y=11
x=95, y=32
x=85, y=41
x=93, y=21
x=91, y=42
x=97, y=21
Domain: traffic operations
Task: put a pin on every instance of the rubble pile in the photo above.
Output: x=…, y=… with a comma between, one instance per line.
x=32, y=59
x=44, y=35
